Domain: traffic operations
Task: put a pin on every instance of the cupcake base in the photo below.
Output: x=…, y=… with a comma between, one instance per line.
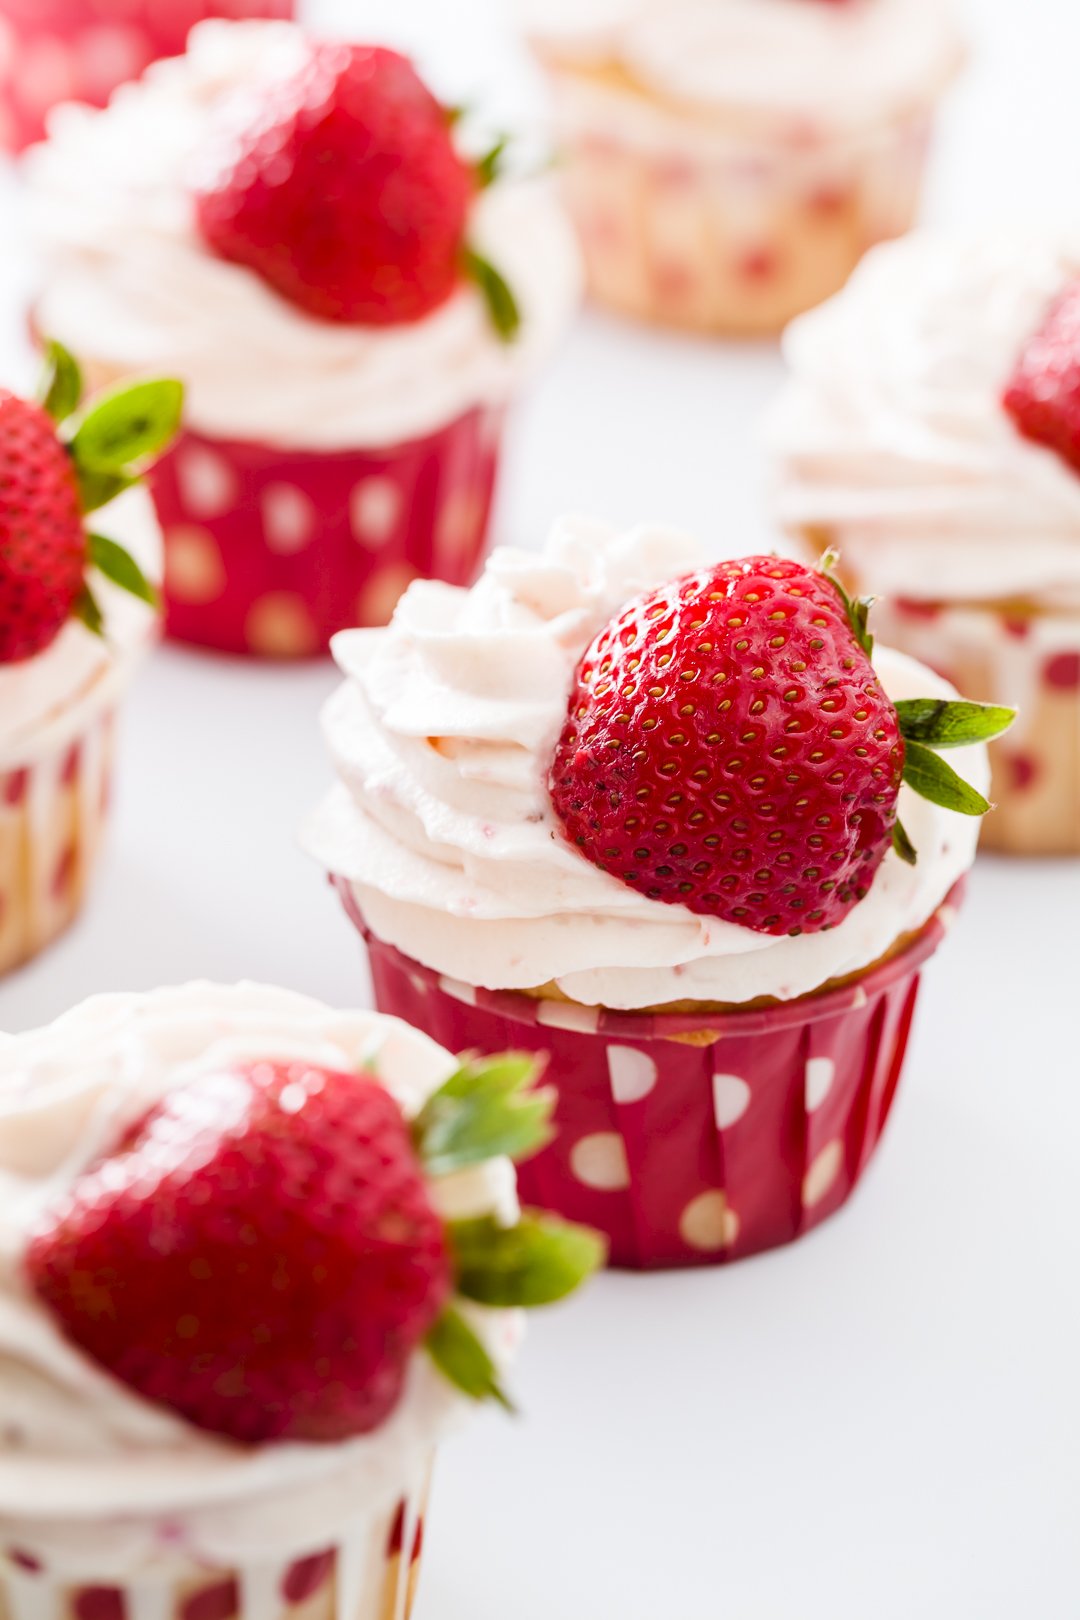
x=690, y=1138
x=52, y=814
x=270, y=551
x=694, y=223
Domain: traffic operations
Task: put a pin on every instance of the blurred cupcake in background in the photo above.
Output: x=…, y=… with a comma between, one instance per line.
x=729, y=161
x=931, y=433
x=259, y=1258
x=352, y=302
x=80, y=50
x=79, y=547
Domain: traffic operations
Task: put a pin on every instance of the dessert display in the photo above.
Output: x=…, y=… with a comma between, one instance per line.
x=257, y=1259
x=680, y=824
x=931, y=432
x=80, y=50
x=295, y=227
x=79, y=547
x=729, y=161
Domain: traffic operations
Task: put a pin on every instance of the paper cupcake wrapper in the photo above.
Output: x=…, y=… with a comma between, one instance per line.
x=371, y=1574
x=690, y=1139
x=726, y=231
x=80, y=50
x=271, y=551
x=52, y=814
x=1032, y=662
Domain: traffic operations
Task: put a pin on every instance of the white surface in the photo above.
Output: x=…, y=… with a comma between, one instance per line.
x=881, y=1422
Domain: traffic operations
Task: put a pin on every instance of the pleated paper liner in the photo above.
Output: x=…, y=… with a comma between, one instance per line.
x=80, y=50
x=691, y=1139
x=270, y=551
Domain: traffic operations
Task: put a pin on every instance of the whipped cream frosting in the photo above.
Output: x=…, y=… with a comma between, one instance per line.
x=128, y=281
x=87, y=1466
x=442, y=736
x=853, y=63
x=45, y=699
x=892, y=433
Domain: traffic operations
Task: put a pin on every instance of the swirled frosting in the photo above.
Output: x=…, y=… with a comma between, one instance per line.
x=77, y=1448
x=891, y=433
x=854, y=63
x=442, y=736
x=128, y=281
x=43, y=698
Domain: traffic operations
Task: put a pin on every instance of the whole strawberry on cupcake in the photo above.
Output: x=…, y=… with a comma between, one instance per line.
x=79, y=547
x=259, y=1259
x=353, y=292
x=684, y=826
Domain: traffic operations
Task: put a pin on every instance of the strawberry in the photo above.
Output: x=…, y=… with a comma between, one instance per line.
x=345, y=192
x=728, y=747
x=262, y=1254
x=48, y=481
x=1043, y=394
x=42, y=540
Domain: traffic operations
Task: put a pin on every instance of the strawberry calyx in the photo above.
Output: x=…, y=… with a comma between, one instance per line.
x=492, y=1107
x=111, y=444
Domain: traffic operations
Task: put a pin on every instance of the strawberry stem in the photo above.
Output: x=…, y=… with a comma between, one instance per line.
x=500, y=300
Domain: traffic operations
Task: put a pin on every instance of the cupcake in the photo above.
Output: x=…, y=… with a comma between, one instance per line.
x=292, y=228
x=257, y=1259
x=729, y=161
x=76, y=613
x=929, y=433
x=646, y=813
x=80, y=50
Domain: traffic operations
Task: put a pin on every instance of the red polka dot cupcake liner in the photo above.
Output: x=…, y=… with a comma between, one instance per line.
x=1031, y=661
x=53, y=808
x=270, y=551
x=371, y=1574
x=80, y=50
x=726, y=232
x=690, y=1139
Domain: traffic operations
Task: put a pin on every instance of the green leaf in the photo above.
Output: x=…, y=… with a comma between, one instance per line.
x=536, y=1262
x=128, y=425
x=501, y=303
x=120, y=566
x=489, y=166
x=97, y=489
x=940, y=724
x=461, y=1357
x=87, y=610
x=856, y=608
x=933, y=779
x=489, y=1107
x=903, y=845
x=61, y=388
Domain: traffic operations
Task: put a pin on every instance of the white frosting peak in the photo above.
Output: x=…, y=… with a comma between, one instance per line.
x=442, y=736
x=130, y=283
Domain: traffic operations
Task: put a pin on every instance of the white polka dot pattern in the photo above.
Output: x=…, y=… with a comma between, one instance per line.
x=820, y=1074
x=708, y=1224
x=375, y=511
x=207, y=481
x=731, y=1099
x=599, y=1161
x=633, y=1073
x=289, y=518
x=822, y=1174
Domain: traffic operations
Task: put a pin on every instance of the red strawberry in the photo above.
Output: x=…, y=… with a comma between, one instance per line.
x=1043, y=394
x=43, y=547
x=728, y=748
x=259, y=1254
x=345, y=193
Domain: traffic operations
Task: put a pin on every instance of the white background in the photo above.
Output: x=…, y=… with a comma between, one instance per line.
x=883, y=1421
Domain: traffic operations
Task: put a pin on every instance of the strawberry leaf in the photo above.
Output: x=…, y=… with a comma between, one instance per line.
x=489, y=1107
x=462, y=1358
x=933, y=779
x=97, y=489
x=939, y=724
x=61, y=388
x=129, y=425
x=501, y=303
x=856, y=608
x=87, y=611
x=120, y=566
x=489, y=166
x=536, y=1262
x=903, y=845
